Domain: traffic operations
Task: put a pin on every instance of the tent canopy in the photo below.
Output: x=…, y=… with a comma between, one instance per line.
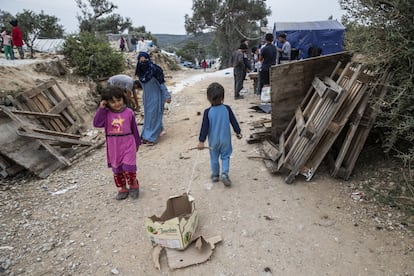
x=328, y=35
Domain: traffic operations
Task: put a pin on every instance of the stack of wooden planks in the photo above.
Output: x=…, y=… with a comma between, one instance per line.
x=41, y=133
x=334, y=106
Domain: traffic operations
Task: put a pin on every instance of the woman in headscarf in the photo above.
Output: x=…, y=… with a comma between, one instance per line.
x=154, y=97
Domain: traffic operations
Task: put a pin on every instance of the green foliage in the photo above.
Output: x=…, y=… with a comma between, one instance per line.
x=92, y=56
x=98, y=16
x=5, y=18
x=383, y=31
x=139, y=32
x=191, y=50
x=229, y=20
x=33, y=25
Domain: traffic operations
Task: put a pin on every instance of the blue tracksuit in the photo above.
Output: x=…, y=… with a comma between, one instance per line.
x=216, y=126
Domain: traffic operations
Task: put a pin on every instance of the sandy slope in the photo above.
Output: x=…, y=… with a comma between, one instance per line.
x=267, y=226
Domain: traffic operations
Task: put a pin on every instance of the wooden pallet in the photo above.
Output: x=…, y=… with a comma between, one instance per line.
x=356, y=82
x=39, y=150
x=361, y=123
x=50, y=99
x=290, y=83
x=42, y=132
x=309, y=125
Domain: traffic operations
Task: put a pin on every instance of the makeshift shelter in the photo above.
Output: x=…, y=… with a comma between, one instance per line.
x=48, y=45
x=327, y=35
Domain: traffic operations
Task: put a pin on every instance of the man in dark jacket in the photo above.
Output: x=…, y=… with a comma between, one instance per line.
x=268, y=58
x=238, y=70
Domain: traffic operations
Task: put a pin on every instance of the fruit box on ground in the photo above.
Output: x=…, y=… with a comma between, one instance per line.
x=177, y=224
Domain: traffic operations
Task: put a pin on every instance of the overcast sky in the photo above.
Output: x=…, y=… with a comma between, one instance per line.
x=167, y=16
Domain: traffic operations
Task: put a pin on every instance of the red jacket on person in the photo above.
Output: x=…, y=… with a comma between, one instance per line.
x=17, y=36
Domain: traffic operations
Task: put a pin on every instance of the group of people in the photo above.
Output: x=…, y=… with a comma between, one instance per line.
x=262, y=58
x=137, y=45
x=123, y=138
x=13, y=38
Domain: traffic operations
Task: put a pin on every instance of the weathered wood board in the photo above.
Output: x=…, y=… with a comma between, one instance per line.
x=26, y=152
x=49, y=98
x=290, y=83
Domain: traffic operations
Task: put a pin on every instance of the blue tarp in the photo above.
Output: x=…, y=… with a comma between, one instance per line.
x=327, y=35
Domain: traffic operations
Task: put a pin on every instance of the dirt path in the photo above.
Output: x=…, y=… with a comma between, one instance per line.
x=267, y=226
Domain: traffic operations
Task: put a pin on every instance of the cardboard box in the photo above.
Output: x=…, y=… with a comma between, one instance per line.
x=176, y=226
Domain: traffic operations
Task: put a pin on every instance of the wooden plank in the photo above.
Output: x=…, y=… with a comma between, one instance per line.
x=282, y=148
x=349, y=102
x=290, y=84
x=319, y=86
x=63, y=134
x=45, y=102
x=78, y=116
x=47, y=98
x=322, y=112
x=334, y=89
x=271, y=166
x=52, y=95
x=271, y=150
x=59, y=107
x=362, y=132
x=350, y=134
x=24, y=151
x=300, y=121
x=36, y=114
x=22, y=124
x=52, y=138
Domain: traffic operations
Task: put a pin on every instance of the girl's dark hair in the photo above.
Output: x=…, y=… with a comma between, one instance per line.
x=215, y=93
x=113, y=91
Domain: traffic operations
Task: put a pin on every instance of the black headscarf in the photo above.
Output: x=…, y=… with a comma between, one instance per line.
x=146, y=70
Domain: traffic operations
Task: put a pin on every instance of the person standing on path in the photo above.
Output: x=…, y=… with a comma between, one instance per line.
x=7, y=45
x=216, y=126
x=268, y=58
x=154, y=97
x=285, y=51
x=122, y=44
x=17, y=38
x=122, y=140
x=204, y=65
x=134, y=42
x=238, y=70
x=142, y=45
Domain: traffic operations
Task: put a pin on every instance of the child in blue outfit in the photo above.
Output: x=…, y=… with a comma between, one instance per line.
x=216, y=126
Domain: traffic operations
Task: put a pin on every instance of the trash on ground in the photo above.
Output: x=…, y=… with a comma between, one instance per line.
x=199, y=251
x=358, y=196
x=177, y=224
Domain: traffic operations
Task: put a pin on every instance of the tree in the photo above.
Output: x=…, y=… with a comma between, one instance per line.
x=383, y=31
x=230, y=20
x=33, y=26
x=98, y=16
x=92, y=56
x=191, y=51
x=5, y=18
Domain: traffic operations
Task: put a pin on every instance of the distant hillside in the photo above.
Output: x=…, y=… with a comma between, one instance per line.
x=178, y=41
x=168, y=40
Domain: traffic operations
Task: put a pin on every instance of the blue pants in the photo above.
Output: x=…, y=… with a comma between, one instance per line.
x=224, y=153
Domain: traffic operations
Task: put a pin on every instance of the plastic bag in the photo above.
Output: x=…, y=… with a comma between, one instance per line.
x=265, y=95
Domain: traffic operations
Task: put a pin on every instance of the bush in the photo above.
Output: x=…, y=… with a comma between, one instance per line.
x=92, y=56
x=383, y=32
